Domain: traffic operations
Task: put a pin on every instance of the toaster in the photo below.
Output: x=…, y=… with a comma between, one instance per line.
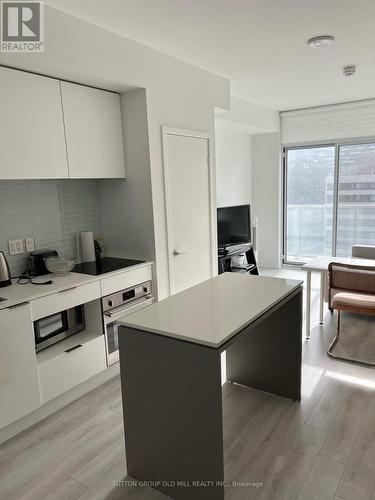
x=35, y=262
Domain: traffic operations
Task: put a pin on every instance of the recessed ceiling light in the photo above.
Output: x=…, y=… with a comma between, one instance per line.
x=321, y=41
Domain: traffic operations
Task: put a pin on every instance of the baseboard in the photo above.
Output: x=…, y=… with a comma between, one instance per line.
x=56, y=404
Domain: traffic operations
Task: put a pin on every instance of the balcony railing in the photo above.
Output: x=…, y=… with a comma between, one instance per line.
x=309, y=229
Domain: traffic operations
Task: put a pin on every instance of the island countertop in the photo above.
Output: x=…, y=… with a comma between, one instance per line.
x=212, y=312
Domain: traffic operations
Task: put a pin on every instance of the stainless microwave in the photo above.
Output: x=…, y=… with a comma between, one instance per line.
x=58, y=326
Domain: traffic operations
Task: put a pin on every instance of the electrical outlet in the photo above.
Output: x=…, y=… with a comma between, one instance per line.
x=15, y=247
x=30, y=247
x=12, y=247
x=19, y=246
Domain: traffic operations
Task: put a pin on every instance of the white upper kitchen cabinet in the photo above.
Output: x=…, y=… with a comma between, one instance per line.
x=32, y=142
x=93, y=130
x=19, y=383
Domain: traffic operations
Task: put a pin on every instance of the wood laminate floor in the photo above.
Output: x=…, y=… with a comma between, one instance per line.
x=322, y=448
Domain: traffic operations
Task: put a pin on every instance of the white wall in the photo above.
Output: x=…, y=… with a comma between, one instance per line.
x=233, y=164
x=249, y=170
x=258, y=119
x=178, y=94
x=266, y=197
x=127, y=203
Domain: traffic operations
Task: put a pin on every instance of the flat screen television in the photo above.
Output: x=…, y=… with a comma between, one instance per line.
x=233, y=225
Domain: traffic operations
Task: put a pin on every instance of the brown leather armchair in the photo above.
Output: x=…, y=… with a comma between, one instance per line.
x=360, y=252
x=354, y=288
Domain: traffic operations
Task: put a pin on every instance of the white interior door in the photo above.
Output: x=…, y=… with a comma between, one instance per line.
x=190, y=208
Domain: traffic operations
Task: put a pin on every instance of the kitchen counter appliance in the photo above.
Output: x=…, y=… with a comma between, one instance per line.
x=105, y=265
x=35, y=262
x=4, y=271
x=116, y=306
x=58, y=326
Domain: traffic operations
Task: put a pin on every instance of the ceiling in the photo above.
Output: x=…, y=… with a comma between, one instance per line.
x=259, y=44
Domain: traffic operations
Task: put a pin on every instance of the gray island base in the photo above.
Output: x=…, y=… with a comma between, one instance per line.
x=170, y=357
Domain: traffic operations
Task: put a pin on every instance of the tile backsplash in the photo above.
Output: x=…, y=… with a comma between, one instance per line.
x=50, y=211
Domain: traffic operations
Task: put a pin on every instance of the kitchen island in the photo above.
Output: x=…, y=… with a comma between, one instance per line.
x=170, y=357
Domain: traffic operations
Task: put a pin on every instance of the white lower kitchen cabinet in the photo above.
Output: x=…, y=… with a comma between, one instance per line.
x=69, y=363
x=19, y=385
x=125, y=280
x=65, y=299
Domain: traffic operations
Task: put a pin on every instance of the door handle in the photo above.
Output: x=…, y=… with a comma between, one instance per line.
x=178, y=252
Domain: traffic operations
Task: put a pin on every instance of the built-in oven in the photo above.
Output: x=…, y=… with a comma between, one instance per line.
x=58, y=326
x=118, y=305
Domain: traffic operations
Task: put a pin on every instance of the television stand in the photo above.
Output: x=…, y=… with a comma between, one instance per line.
x=225, y=256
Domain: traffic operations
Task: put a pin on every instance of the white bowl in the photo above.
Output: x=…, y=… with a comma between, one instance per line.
x=60, y=266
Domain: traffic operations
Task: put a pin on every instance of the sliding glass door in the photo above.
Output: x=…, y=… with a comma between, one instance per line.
x=329, y=200
x=309, y=174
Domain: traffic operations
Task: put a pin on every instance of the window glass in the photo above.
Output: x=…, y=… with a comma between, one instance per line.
x=309, y=202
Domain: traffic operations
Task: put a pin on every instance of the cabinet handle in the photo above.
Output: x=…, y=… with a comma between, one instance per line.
x=19, y=305
x=74, y=348
x=68, y=289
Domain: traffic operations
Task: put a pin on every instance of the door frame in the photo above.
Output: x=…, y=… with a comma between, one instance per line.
x=165, y=131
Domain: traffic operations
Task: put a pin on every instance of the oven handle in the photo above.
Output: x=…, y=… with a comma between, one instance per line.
x=118, y=313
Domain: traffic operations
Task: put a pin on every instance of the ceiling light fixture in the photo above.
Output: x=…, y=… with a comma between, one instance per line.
x=349, y=70
x=321, y=41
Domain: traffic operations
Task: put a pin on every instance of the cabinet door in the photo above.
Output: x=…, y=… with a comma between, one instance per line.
x=19, y=384
x=93, y=131
x=32, y=141
x=68, y=369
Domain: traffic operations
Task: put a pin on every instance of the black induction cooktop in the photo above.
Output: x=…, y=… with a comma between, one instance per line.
x=105, y=265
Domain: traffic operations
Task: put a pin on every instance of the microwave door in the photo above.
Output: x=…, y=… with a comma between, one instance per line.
x=50, y=326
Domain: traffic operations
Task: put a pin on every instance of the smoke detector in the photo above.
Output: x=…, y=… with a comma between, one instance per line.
x=322, y=41
x=349, y=70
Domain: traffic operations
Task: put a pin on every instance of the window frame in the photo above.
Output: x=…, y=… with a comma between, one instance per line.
x=337, y=145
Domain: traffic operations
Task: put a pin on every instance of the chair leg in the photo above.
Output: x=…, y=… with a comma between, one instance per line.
x=333, y=343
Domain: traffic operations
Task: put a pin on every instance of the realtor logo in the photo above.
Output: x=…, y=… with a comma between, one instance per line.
x=22, y=26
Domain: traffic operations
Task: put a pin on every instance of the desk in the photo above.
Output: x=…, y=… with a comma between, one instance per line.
x=170, y=359
x=320, y=265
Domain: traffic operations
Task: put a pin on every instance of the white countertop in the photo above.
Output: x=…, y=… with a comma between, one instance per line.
x=213, y=311
x=15, y=294
x=321, y=263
